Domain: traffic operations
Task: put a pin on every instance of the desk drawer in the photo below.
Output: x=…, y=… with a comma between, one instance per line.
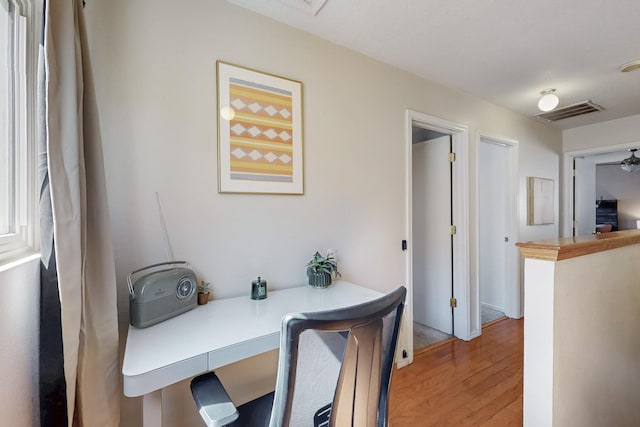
x=137, y=385
x=243, y=350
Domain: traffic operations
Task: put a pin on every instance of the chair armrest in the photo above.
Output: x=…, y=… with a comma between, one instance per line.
x=213, y=401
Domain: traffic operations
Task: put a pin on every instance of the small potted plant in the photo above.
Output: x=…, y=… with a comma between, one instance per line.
x=321, y=269
x=203, y=292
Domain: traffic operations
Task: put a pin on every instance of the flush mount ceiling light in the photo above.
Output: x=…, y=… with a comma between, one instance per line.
x=630, y=66
x=632, y=163
x=549, y=100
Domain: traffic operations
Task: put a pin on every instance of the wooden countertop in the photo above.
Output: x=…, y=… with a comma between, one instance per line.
x=571, y=247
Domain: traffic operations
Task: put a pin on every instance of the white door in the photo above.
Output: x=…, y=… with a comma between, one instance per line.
x=584, y=207
x=432, y=254
x=493, y=224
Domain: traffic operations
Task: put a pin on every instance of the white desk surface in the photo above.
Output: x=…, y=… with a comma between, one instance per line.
x=221, y=332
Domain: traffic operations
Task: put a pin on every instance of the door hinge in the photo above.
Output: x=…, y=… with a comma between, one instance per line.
x=575, y=224
x=574, y=173
x=452, y=229
x=452, y=157
x=453, y=302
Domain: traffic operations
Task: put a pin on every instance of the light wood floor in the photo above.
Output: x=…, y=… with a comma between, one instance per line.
x=458, y=383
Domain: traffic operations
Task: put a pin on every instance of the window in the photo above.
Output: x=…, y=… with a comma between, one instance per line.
x=18, y=200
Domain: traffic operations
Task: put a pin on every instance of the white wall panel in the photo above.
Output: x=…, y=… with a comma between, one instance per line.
x=19, y=317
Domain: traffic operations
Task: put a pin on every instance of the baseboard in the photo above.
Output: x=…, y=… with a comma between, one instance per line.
x=492, y=307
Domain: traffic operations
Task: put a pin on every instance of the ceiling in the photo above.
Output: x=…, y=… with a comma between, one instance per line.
x=504, y=51
x=612, y=158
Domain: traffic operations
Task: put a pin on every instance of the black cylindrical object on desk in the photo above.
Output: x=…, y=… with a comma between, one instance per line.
x=259, y=289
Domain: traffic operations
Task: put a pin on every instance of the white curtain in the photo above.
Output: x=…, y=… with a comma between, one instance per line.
x=81, y=227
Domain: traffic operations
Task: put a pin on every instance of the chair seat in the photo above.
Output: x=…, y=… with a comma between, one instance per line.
x=255, y=413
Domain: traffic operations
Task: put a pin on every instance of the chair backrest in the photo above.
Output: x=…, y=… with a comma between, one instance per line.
x=335, y=366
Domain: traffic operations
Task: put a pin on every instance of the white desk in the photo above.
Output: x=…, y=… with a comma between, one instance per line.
x=216, y=334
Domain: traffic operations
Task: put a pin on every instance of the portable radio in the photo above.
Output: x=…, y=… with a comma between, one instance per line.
x=162, y=292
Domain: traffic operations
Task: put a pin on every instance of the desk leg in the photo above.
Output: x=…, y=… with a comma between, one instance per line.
x=152, y=409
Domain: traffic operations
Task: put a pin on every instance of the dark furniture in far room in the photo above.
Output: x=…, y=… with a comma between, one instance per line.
x=606, y=214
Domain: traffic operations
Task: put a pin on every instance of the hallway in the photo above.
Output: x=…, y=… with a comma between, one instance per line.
x=459, y=383
x=424, y=336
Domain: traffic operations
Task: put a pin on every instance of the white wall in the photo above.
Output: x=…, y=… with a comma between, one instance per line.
x=19, y=317
x=154, y=65
x=581, y=346
x=596, y=341
x=613, y=132
x=614, y=183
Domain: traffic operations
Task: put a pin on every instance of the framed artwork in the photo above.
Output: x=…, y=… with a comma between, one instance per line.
x=540, y=209
x=259, y=132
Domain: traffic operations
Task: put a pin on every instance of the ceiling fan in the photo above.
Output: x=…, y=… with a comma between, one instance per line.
x=631, y=163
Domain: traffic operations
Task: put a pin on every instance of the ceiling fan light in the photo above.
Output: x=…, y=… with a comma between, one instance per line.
x=630, y=168
x=549, y=100
x=631, y=163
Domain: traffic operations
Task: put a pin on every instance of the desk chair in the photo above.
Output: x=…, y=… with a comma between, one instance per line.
x=334, y=369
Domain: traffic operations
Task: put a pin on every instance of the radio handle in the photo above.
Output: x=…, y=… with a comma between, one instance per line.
x=130, y=285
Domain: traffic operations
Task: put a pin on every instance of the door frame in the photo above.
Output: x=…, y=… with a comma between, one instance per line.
x=460, y=196
x=567, y=175
x=513, y=293
x=583, y=168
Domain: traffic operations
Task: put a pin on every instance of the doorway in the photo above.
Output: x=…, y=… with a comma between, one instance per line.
x=499, y=284
x=432, y=239
x=572, y=189
x=493, y=230
x=459, y=137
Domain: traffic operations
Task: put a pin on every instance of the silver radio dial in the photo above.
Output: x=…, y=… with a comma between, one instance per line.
x=185, y=288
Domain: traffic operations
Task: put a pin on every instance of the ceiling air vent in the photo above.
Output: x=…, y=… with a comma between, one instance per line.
x=311, y=7
x=574, y=110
